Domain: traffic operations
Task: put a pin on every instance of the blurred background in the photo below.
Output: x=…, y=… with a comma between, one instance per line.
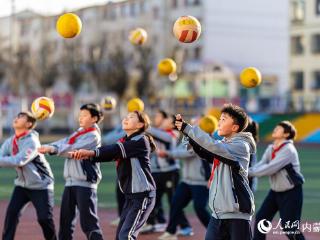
x=279, y=37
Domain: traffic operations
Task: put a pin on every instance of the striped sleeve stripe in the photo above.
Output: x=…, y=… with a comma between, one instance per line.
x=122, y=150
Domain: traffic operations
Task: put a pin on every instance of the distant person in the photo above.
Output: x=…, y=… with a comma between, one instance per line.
x=281, y=163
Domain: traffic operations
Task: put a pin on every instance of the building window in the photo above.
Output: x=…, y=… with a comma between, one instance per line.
x=156, y=12
x=315, y=43
x=132, y=10
x=297, y=45
x=298, y=80
x=197, y=53
x=174, y=3
x=142, y=7
x=317, y=7
x=316, y=80
x=196, y=2
x=297, y=10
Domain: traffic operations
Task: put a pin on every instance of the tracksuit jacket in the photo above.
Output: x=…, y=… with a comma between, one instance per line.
x=80, y=173
x=33, y=170
x=283, y=168
x=230, y=196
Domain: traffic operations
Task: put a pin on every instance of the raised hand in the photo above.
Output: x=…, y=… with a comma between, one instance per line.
x=179, y=121
x=81, y=154
x=45, y=149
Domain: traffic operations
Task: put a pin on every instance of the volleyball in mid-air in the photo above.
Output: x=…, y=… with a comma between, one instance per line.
x=135, y=104
x=187, y=29
x=167, y=66
x=208, y=124
x=138, y=36
x=42, y=108
x=108, y=103
x=250, y=77
x=69, y=25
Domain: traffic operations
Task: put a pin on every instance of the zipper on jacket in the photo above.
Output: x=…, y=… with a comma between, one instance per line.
x=215, y=194
x=233, y=188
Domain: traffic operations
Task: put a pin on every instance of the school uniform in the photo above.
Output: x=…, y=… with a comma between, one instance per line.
x=34, y=183
x=165, y=171
x=193, y=187
x=132, y=156
x=230, y=198
x=282, y=165
x=82, y=179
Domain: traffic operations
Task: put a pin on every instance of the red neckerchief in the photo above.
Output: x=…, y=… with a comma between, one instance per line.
x=73, y=139
x=15, y=148
x=275, y=150
x=216, y=163
x=122, y=140
x=172, y=133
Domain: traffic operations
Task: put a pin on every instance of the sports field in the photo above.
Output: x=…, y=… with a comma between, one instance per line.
x=310, y=168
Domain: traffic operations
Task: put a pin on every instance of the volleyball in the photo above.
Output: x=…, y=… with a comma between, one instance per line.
x=167, y=66
x=250, y=77
x=135, y=104
x=187, y=29
x=42, y=108
x=108, y=103
x=138, y=36
x=69, y=25
x=208, y=124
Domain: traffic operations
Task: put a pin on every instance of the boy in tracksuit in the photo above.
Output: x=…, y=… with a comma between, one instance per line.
x=230, y=197
x=34, y=182
x=195, y=175
x=82, y=177
x=132, y=156
x=281, y=163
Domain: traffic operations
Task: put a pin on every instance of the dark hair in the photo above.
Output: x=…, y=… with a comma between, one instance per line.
x=253, y=128
x=30, y=118
x=163, y=113
x=238, y=115
x=144, y=118
x=288, y=128
x=94, y=109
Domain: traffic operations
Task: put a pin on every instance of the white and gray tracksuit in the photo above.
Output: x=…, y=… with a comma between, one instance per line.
x=282, y=166
x=34, y=183
x=82, y=179
x=165, y=171
x=230, y=197
x=193, y=187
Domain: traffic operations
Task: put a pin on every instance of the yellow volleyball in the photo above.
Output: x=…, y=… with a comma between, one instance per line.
x=138, y=36
x=208, y=124
x=250, y=77
x=69, y=25
x=167, y=66
x=135, y=104
x=42, y=108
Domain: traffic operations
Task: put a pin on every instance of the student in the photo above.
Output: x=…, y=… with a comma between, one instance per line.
x=34, y=182
x=195, y=173
x=230, y=197
x=132, y=154
x=82, y=177
x=281, y=163
x=253, y=128
x=165, y=170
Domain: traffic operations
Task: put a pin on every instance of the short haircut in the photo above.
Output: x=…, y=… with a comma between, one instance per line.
x=30, y=118
x=94, y=109
x=238, y=115
x=288, y=128
x=163, y=113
